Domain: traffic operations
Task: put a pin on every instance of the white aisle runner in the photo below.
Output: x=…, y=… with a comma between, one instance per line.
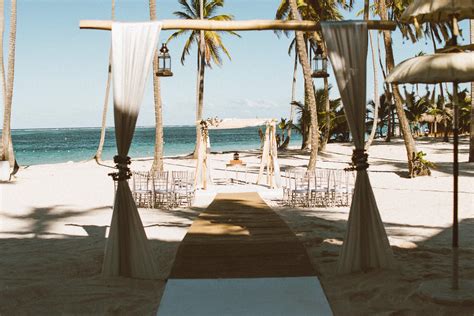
x=293, y=296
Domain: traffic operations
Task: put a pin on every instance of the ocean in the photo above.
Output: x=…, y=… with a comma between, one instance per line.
x=56, y=145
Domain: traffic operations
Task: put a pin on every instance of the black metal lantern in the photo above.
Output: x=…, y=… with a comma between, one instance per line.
x=320, y=64
x=164, y=62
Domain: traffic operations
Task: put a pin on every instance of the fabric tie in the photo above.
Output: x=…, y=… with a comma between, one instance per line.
x=124, y=173
x=359, y=160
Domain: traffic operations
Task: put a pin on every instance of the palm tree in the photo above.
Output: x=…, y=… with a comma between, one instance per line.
x=158, y=154
x=383, y=119
x=374, y=66
x=329, y=117
x=285, y=126
x=415, y=108
x=7, y=146
x=293, y=88
x=317, y=11
x=209, y=49
x=336, y=116
x=308, y=86
x=390, y=64
x=98, y=154
x=471, y=137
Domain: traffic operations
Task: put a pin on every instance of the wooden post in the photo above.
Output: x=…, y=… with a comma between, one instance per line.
x=249, y=25
x=264, y=158
x=455, y=165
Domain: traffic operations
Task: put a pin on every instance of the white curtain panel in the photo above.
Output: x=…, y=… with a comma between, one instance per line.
x=128, y=253
x=365, y=244
x=274, y=154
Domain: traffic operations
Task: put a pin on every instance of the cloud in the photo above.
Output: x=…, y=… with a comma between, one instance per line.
x=255, y=104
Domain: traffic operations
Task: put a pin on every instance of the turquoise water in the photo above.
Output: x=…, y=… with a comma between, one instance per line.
x=42, y=146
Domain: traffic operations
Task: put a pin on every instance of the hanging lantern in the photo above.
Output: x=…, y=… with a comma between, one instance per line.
x=320, y=64
x=164, y=62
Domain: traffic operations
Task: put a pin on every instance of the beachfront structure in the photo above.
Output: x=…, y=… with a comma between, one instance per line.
x=366, y=244
x=451, y=64
x=269, y=166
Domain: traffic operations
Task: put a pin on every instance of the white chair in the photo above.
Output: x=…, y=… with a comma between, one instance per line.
x=142, y=189
x=299, y=188
x=162, y=196
x=340, y=187
x=320, y=191
x=182, y=188
x=286, y=186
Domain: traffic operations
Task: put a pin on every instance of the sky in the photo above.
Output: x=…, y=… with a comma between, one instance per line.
x=61, y=71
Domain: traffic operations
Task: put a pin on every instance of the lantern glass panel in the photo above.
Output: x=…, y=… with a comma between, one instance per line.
x=164, y=62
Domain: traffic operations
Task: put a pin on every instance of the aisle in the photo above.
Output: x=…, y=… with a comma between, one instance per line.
x=240, y=258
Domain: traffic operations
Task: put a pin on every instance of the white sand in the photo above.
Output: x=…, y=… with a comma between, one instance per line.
x=53, y=222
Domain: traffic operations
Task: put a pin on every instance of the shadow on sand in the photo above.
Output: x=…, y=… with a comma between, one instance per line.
x=38, y=273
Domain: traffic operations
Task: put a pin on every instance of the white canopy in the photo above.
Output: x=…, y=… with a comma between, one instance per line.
x=438, y=10
x=431, y=69
x=229, y=123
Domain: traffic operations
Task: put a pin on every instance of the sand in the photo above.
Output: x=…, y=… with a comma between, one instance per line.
x=54, y=219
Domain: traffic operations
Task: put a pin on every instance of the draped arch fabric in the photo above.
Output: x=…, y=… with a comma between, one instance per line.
x=365, y=244
x=127, y=252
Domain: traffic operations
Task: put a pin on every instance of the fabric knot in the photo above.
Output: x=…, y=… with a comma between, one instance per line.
x=359, y=160
x=124, y=173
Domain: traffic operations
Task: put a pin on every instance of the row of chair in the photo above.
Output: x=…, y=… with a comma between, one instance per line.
x=163, y=189
x=322, y=188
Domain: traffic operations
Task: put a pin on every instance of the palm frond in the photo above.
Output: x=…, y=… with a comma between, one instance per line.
x=187, y=8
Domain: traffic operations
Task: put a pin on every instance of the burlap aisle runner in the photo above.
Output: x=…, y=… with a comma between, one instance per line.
x=240, y=236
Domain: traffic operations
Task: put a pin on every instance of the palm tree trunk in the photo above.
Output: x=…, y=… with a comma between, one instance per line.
x=366, y=9
x=388, y=137
x=327, y=109
x=2, y=64
x=293, y=92
x=305, y=128
x=376, y=96
x=308, y=84
x=98, y=154
x=200, y=82
x=7, y=146
x=158, y=155
x=2, y=75
x=403, y=122
x=471, y=133
x=200, y=98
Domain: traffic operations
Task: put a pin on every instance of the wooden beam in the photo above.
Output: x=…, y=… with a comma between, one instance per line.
x=250, y=25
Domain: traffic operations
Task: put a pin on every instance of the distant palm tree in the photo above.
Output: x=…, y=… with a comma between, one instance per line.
x=7, y=146
x=383, y=119
x=98, y=154
x=158, y=154
x=213, y=45
x=337, y=119
x=415, y=108
x=285, y=126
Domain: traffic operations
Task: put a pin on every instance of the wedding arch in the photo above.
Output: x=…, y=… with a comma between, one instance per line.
x=133, y=44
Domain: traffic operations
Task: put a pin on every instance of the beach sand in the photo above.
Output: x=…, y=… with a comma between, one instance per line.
x=54, y=219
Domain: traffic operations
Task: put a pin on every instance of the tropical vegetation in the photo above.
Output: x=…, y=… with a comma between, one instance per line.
x=209, y=44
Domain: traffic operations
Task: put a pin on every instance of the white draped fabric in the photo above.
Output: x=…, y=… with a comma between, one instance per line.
x=128, y=252
x=366, y=244
x=269, y=159
x=203, y=167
